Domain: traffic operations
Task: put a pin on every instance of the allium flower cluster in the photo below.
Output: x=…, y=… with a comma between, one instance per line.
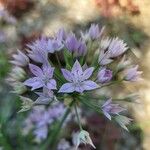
x=58, y=68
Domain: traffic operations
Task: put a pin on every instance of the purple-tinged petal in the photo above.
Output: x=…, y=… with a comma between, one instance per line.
x=82, y=49
x=44, y=97
x=77, y=69
x=84, y=67
x=87, y=73
x=20, y=59
x=38, y=56
x=41, y=133
x=104, y=75
x=72, y=43
x=48, y=70
x=89, y=85
x=36, y=70
x=61, y=34
x=34, y=82
x=94, y=31
x=79, y=89
x=116, y=109
x=108, y=102
x=132, y=74
x=36, y=85
x=51, y=84
x=67, y=74
x=107, y=115
x=104, y=58
x=67, y=88
x=109, y=108
x=117, y=47
x=57, y=45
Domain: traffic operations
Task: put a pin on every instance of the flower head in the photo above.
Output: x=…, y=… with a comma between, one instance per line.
x=75, y=46
x=56, y=45
x=116, y=47
x=39, y=50
x=110, y=108
x=20, y=59
x=84, y=137
x=41, y=47
x=43, y=77
x=104, y=75
x=71, y=43
x=95, y=32
x=78, y=79
x=132, y=74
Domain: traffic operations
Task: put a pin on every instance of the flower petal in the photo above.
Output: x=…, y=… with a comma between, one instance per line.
x=67, y=74
x=87, y=73
x=51, y=84
x=77, y=69
x=35, y=83
x=36, y=70
x=89, y=85
x=108, y=102
x=79, y=89
x=67, y=88
x=48, y=70
x=107, y=115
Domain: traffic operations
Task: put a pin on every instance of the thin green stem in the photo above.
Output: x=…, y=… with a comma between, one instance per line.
x=108, y=84
x=52, y=139
x=78, y=118
x=59, y=63
x=90, y=105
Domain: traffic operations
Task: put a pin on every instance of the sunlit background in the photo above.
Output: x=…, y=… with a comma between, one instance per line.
x=21, y=21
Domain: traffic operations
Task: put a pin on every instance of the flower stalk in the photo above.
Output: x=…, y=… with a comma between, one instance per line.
x=78, y=118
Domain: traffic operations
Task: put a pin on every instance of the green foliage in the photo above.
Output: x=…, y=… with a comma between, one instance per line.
x=4, y=64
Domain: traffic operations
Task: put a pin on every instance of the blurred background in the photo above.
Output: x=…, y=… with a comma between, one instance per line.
x=21, y=21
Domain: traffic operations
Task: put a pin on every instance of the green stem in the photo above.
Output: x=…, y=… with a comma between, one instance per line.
x=58, y=60
x=52, y=139
x=108, y=84
x=78, y=118
x=90, y=105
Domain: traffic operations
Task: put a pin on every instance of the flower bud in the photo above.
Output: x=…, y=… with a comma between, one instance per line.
x=123, y=121
x=132, y=74
x=26, y=104
x=20, y=59
x=18, y=74
x=104, y=75
x=123, y=64
x=84, y=137
x=19, y=87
